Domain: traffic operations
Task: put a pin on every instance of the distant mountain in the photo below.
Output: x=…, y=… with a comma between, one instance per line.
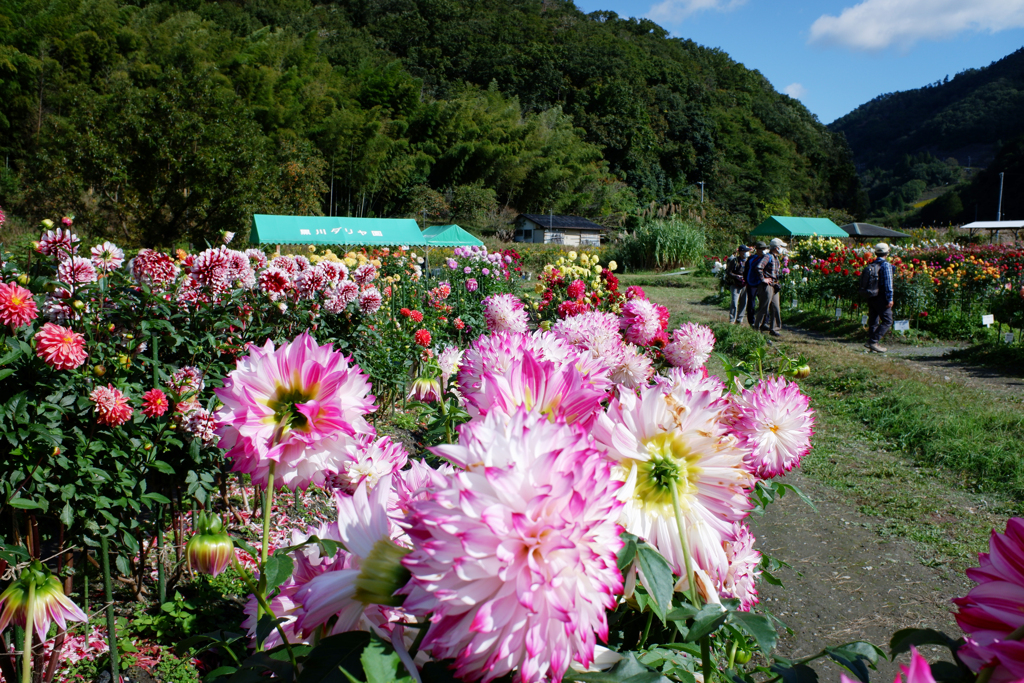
x=962, y=117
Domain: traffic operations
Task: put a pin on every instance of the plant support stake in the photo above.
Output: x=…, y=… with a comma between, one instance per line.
x=108, y=593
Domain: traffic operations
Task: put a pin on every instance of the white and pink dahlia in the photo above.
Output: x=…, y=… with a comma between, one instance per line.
x=76, y=271
x=633, y=370
x=774, y=423
x=368, y=576
x=61, y=243
x=107, y=257
x=364, y=274
x=742, y=569
x=516, y=558
x=370, y=301
x=274, y=282
x=690, y=347
x=153, y=268
x=661, y=442
x=294, y=409
x=641, y=320
x=369, y=460
x=257, y=259
x=505, y=313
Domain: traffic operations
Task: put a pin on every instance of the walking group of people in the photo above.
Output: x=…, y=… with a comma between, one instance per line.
x=754, y=275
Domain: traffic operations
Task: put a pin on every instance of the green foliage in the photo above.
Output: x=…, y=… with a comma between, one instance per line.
x=660, y=244
x=165, y=122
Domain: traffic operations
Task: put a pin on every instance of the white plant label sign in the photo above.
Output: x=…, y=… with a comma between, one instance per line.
x=987, y=320
x=1008, y=337
x=794, y=303
x=901, y=326
x=839, y=313
x=863, y=320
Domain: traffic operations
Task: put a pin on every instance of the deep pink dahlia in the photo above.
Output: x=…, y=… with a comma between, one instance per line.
x=112, y=407
x=154, y=403
x=640, y=320
x=76, y=271
x=576, y=289
x=994, y=609
x=310, y=283
x=918, y=672
x=153, y=268
x=334, y=271
x=690, y=347
x=60, y=347
x=107, y=257
x=274, y=281
x=516, y=558
x=295, y=407
x=774, y=423
x=505, y=313
x=472, y=285
x=17, y=307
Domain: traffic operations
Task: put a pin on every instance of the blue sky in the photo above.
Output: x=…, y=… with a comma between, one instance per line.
x=834, y=55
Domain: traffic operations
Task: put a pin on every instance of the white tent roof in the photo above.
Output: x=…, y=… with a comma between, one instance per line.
x=993, y=225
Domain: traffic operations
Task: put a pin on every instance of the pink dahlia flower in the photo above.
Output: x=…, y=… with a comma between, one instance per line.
x=641, y=321
x=186, y=381
x=112, y=407
x=369, y=460
x=154, y=403
x=274, y=281
x=76, y=271
x=635, y=292
x=310, y=283
x=285, y=263
x=364, y=274
x=369, y=575
x=334, y=271
x=107, y=257
x=370, y=301
x=505, y=313
x=576, y=289
x=690, y=347
x=17, y=307
x=61, y=243
x=60, y=347
x=516, y=558
x=634, y=370
x=471, y=284
x=218, y=269
x=449, y=361
x=994, y=609
x=49, y=602
x=153, y=268
x=296, y=408
x=774, y=423
x=659, y=442
x=257, y=259
x=739, y=579
x=679, y=381
x=548, y=387
x=918, y=672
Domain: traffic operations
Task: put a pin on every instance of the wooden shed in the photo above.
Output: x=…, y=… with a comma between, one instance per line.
x=572, y=231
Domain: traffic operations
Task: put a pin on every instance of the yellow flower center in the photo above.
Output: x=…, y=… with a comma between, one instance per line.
x=670, y=463
x=16, y=300
x=283, y=403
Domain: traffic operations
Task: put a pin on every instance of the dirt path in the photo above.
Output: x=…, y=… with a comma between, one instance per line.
x=850, y=577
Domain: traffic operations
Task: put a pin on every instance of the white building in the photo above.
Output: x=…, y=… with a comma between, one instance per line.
x=572, y=231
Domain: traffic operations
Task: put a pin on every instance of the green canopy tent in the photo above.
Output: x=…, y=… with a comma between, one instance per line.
x=335, y=230
x=793, y=226
x=450, y=236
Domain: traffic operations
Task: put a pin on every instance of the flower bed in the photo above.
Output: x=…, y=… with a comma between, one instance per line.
x=581, y=506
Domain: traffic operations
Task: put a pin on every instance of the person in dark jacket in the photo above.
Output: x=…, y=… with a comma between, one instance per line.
x=880, y=306
x=753, y=278
x=735, y=276
x=769, y=311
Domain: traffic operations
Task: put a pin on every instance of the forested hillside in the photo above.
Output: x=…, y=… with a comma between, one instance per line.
x=908, y=142
x=156, y=122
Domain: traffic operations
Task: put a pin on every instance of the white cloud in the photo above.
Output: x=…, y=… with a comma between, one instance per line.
x=878, y=24
x=675, y=11
x=795, y=90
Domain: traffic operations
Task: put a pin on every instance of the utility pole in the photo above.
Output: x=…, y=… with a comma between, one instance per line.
x=330, y=207
x=999, y=211
x=701, y=183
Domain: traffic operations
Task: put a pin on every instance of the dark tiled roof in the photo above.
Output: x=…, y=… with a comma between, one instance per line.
x=556, y=222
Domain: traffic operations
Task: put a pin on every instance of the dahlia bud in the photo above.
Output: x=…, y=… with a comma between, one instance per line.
x=47, y=223
x=210, y=549
x=99, y=370
x=24, y=279
x=49, y=602
x=78, y=304
x=425, y=389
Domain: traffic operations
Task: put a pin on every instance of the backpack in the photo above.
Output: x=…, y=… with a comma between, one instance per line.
x=869, y=280
x=752, y=277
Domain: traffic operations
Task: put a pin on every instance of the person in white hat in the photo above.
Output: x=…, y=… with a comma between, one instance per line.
x=876, y=287
x=769, y=311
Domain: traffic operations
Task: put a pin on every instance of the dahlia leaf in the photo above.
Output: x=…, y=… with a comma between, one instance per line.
x=378, y=665
x=854, y=655
x=326, y=662
x=24, y=504
x=903, y=639
x=707, y=620
x=757, y=626
x=658, y=579
x=800, y=673
x=277, y=570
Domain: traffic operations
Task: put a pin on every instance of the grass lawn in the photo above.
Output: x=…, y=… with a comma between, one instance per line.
x=937, y=462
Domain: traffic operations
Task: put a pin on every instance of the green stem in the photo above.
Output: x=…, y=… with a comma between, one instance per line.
x=266, y=609
x=419, y=639
x=26, y=655
x=684, y=542
x=733, y=647
x=108, y=592
x=266, y=515
x=161, y=579
x=447, y=422
x=705, y=657
x=647, y=629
